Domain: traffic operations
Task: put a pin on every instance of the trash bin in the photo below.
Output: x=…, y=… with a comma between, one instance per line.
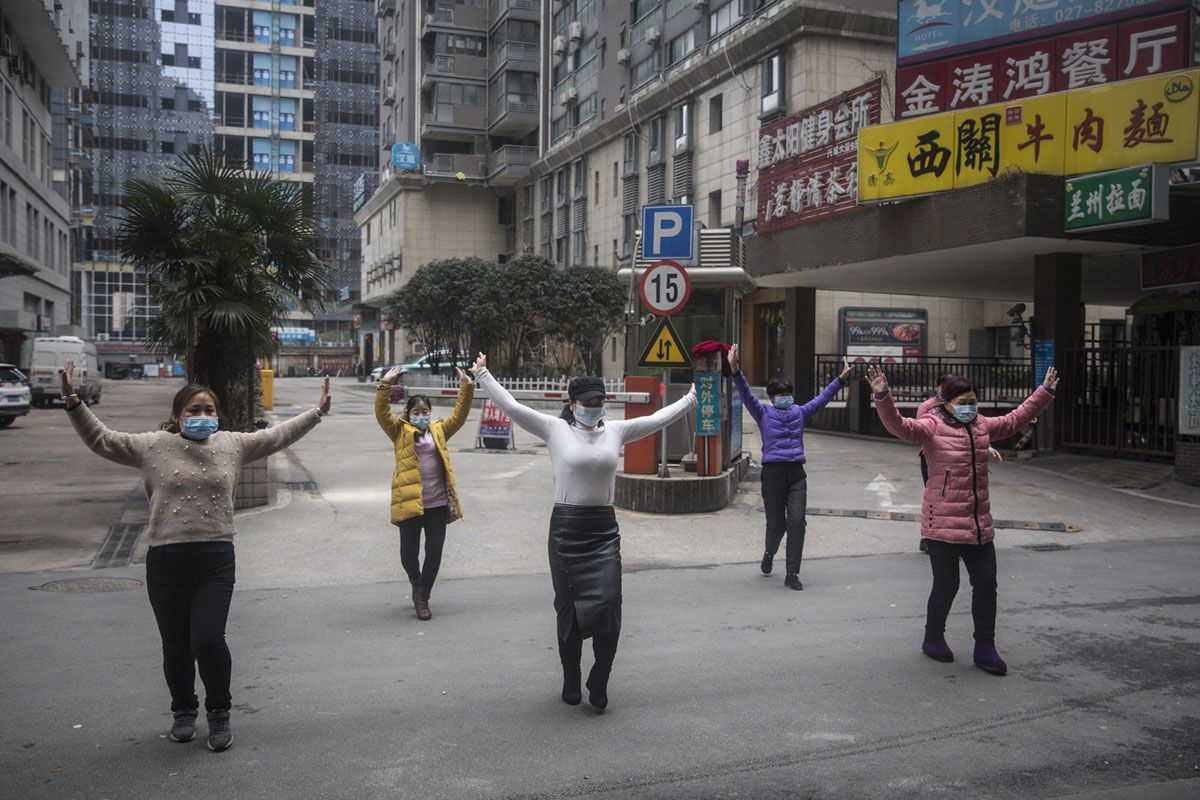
x=266, y=383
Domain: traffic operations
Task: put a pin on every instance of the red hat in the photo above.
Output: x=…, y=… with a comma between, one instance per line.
x=712, y=346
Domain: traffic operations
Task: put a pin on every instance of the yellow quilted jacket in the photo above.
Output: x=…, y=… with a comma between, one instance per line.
x=406, y=479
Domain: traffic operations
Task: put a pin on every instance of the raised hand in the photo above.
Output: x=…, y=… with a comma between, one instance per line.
x=68, y=378
x=995, y=454
x=735, y=359
x=876, y=379
x=392, y=374
x=325, y=400
x=480, y=363
x=1051, y=381
x=846, y=369
x=462, y=375
x=692, y=390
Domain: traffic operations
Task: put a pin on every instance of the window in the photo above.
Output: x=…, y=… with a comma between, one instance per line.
x=715, y=111
x=631, y=153
x=561, y=254
x=643, y=7
x=166, y=147
x=562, y=179
x=8, y=116
x=714, y=209
x=168, y=59
x=676, y=6
x=595, y=255
x=462, y=45
x=587, y=11
x=547, y=193
x=579, y=246
x=683, y=127
x=596, y=188
x=168, y=103
x=168, y=15
x=585, y=110
x=627, y=227
x=772, y=83
x=616, y=175
x=655, y=155
x=527, y=199
x=580, y=169
x=560, y=127
x=723, y=18
x=647, y=70
x=682, y=46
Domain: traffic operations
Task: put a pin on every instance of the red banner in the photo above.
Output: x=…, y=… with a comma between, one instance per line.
x=495, y=422
x=1134, y=49
x=1178, y=266
x=808, y=162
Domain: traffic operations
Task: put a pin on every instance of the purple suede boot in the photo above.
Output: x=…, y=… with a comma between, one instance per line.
x=937, y=649
x=987, y=659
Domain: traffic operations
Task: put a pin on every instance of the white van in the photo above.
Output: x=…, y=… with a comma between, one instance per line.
x=49, y=355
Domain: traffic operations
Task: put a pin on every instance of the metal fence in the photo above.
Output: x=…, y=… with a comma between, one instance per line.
x=1120, y=399
x=999, y=382
x=447, y=380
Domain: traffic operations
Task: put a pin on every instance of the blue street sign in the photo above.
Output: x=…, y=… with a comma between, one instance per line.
x=406, y=155
x=667, y=233
x=708, y=406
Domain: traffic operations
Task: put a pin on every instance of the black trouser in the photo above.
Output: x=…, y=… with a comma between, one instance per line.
x=981, y=567
x=190, y=588
x=434, y=522
x=604, y=648
x=785, y=497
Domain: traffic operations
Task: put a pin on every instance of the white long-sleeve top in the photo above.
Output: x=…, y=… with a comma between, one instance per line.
x=585, y=460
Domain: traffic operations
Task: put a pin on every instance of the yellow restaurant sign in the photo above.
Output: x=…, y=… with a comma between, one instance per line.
x=1146, y=121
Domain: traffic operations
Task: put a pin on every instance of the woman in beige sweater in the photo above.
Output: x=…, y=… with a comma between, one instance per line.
x=190, y=470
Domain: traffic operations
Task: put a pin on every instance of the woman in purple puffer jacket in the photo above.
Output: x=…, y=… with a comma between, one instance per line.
x=784, y=481
x=956, y=516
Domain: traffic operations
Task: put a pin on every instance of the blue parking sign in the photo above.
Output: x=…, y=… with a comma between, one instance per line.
x=406, y=155
x=667, y=233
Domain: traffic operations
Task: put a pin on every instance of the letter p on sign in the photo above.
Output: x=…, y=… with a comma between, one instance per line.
x=667, y=233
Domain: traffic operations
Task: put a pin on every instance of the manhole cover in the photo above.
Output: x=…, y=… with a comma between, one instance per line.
x=1045, y=548
x=301, y=486
x=71, y=585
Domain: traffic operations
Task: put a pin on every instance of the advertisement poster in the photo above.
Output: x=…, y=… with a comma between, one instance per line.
x=890, y=335
x=1189, y=391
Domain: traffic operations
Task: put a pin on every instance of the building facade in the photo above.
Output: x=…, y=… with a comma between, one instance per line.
x=41, y=59
x=459, y=84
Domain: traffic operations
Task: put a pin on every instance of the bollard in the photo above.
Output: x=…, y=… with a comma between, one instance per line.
x=641, y=457
x=266, y=382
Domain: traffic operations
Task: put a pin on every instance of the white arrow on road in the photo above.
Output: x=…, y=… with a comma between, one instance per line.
x=884, y=489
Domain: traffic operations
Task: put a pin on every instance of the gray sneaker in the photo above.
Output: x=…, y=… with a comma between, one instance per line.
x=184, y=729
x=220, y=736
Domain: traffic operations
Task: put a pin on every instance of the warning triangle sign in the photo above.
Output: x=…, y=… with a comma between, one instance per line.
x=665, y=348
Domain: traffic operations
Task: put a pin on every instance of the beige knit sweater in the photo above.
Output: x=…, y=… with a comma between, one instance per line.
x=189, y=484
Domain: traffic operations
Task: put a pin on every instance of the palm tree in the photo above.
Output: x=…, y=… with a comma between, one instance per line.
x=226, y=252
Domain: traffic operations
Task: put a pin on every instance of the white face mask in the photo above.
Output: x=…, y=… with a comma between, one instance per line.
x=589, y=417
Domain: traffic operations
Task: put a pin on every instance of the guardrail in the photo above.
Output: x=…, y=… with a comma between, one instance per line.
x=527, y=394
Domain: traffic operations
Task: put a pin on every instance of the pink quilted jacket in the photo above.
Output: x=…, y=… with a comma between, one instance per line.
x=956, y=507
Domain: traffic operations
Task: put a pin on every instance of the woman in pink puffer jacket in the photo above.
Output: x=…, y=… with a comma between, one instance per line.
x=956, y=518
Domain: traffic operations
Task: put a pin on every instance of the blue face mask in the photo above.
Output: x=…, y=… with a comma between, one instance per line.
x=199, y=428
x=965, y=414
x=421, y=421
x=783, y=401
x=589, y=417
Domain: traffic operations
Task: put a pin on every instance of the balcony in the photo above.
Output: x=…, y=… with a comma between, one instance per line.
x=449, y=165
x=458, y=123
x=385, y=8
x=456, y=67
x=508, y=165
x=502, y=10
x=455, y=18
x=514, y=118
x=517, y=56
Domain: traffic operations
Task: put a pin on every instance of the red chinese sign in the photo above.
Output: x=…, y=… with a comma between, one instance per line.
x=1134, y=49
x=808, y=162
x=1175, y=267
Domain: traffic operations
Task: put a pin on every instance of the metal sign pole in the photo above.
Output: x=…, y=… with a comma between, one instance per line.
x=662, y=470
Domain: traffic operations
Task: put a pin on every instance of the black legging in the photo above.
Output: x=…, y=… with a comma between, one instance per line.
x=434, y=522
x=604, y=648
x=981, y=567
x=190, y=587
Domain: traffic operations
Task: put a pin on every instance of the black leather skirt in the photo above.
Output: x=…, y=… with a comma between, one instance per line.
x=585, y=565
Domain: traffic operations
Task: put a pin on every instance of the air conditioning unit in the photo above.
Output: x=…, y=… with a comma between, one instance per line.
x=568, y=96
x=576, y=31
x=623, y=55
x=559, y=45
x=653, y=34
x=700, y=5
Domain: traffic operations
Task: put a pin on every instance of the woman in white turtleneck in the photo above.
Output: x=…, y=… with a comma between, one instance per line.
x=584, y=542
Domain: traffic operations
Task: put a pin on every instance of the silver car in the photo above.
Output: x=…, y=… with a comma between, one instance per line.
x=14, y=394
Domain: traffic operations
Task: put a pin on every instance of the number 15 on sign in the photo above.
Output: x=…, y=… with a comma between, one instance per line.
x=665, y=288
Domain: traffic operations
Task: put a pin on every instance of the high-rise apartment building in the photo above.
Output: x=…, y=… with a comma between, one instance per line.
x=460, y=82
x=41, y=59
x=246, y=79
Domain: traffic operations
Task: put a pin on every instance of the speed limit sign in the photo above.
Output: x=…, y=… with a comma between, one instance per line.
x=665, y=288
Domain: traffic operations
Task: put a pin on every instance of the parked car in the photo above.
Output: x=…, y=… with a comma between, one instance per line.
x=438, y=362
x=14, y=394
x=49, y=355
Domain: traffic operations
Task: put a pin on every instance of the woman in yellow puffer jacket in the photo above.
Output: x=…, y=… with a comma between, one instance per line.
x=423, y=492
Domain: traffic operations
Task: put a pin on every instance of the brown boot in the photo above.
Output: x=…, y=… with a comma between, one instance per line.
x=422, y=603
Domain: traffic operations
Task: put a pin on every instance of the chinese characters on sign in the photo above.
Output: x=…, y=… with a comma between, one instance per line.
x=1178, y=266
x=708, y=409
x=1143, y=121
x=1132, y=196
x=807, y=163
x=886, y=334
x=1189, y=391
x=937, y=28
x=1133, y=49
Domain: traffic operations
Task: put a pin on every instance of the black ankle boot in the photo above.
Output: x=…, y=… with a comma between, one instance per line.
x=597, y=684
x=572, y=694
x=792, y=581
x=767, y=563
